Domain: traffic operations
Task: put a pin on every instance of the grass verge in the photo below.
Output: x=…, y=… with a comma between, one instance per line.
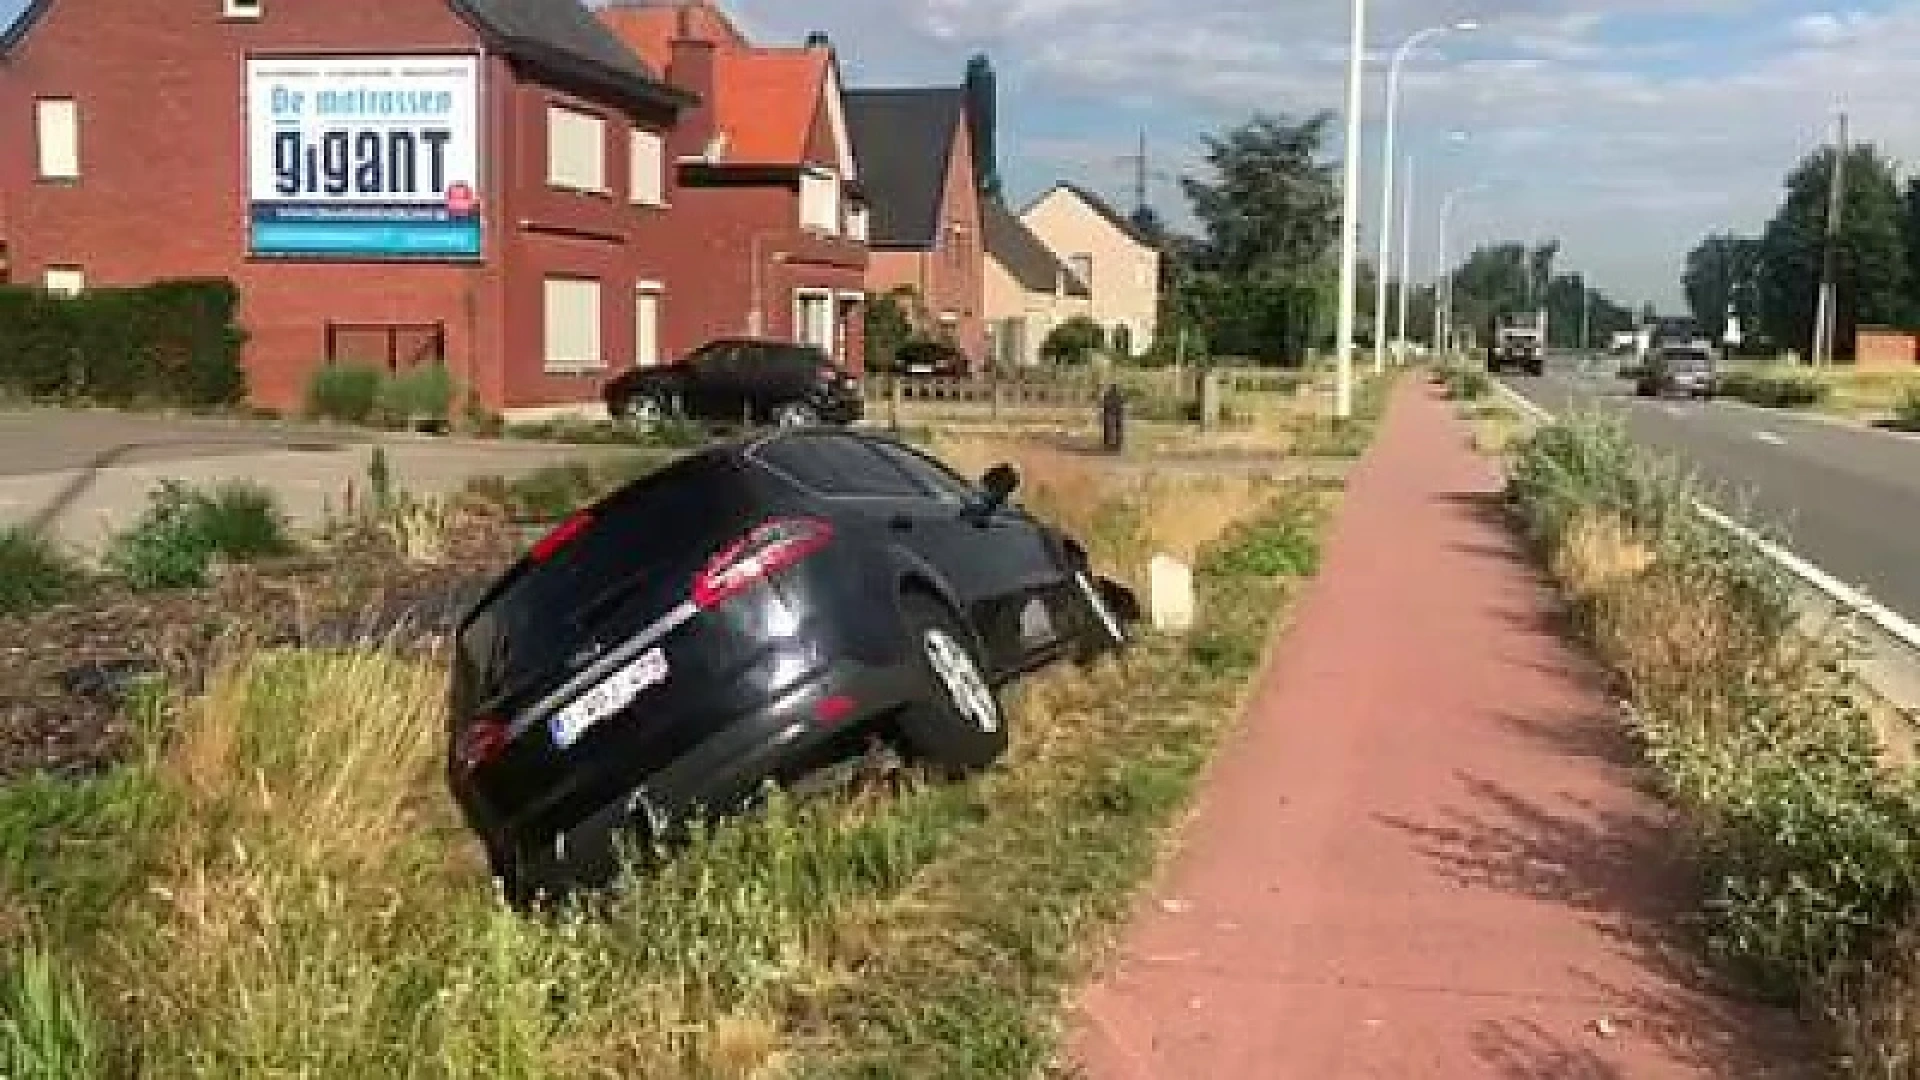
x=1761, y=736
x=277, y=884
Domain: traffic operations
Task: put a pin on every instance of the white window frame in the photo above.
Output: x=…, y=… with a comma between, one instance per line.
x=648, y=295
x=647, y=168
x=241, y=9
x=817, y=215
x=565, y=175
x=59, y=149
x=581, y=349
x=803, y=333
x=64, y=280
x=859, y=225
x=1074, y=262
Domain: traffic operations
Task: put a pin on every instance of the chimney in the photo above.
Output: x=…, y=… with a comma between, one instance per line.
x=819, y=40
x=692, y=68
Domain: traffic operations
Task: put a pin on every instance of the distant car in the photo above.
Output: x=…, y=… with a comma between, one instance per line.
x=750, y=614
x=932, y=359
x=1688, y=370
x=740, y=381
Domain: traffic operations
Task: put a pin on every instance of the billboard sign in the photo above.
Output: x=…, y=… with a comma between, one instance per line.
x=364, y=157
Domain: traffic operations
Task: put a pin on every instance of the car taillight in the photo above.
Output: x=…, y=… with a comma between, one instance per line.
x=563, y=534
x=763, y=553
x=482, y=741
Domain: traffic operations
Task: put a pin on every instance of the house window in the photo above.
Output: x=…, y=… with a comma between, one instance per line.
x=65, y=280
x=646, y=325
x=820, y=201
x=573, y=325
x=857, y=223
x=649, y=179
x=1082, y=265
x=576, y=150
x=813, y=319
x=58, y=121
x=241, y=9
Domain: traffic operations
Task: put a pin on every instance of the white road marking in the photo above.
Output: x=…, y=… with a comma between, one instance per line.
x=1674, y=411
x=1770, y=438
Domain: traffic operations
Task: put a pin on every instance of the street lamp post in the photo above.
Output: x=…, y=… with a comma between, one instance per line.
x=1350, y=214
x=1443, y=308
x=1387, y=161
x=1406, y=249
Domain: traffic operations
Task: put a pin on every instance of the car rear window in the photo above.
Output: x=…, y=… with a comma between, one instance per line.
x=638, y=555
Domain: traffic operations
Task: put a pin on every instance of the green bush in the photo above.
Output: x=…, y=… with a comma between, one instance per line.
x=48, y=1030
x=171, y=343
x=1467, y=384
x=423, y=395
x=1074, y=343
x=1906, y=412
x=175, y=542
x=1774, y=390
x=344, y=393
x=33, y=574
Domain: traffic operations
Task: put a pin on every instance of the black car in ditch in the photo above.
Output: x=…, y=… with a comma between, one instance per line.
x=750, y=614
x=740, y=382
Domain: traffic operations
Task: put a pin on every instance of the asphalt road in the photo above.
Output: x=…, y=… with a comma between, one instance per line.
x=1846, y=499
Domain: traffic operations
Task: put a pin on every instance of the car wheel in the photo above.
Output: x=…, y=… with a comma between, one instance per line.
x=797, y=414
x=645, y=411
x=959, y=725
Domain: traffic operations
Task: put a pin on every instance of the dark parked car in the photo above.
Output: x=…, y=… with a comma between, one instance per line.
x=931, y=359
x=753, y=613
x=739, y=381
x=1685, y=370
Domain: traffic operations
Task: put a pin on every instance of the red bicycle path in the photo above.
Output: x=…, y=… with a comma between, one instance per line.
x=1427, y=851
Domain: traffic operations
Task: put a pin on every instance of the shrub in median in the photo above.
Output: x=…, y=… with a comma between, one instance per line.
x=1809, y=841
x=174, y=544
x=1774, y=390
x=1906, y=412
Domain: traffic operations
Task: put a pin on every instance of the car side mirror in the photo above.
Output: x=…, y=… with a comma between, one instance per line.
x=996, y=490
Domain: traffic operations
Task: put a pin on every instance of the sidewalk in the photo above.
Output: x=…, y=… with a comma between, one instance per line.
x=1424, y=855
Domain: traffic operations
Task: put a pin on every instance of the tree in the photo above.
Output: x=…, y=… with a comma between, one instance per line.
x=1268, y=202
x=1871, y=268
x=983, y=119
x=893, y=319
x=1271, y=206
x=1723, y=274
x=1074, y=343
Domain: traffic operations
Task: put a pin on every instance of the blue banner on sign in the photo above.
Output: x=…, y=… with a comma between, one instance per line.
x=389, y=238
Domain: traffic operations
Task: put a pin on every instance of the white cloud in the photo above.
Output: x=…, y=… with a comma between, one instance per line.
x=1601, y=123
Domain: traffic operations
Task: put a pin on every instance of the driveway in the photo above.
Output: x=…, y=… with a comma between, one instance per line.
x=85, y=475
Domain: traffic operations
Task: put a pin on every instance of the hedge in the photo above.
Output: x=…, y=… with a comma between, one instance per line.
x=168, y=343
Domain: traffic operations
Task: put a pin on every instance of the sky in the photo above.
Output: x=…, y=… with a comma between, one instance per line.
x=1625, y=130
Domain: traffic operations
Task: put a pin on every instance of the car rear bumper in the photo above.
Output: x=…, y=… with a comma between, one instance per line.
x=719, y=775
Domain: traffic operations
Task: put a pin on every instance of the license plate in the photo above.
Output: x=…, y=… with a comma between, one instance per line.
x=609, y=698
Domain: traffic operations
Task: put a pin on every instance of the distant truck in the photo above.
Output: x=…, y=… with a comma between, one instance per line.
x=1518, y=343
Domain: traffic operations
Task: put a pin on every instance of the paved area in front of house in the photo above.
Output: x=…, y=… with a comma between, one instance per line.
x=86, y=475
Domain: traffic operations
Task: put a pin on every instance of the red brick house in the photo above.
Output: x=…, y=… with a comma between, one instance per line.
x=767, y=217
x=916, y=166
x=483, y=180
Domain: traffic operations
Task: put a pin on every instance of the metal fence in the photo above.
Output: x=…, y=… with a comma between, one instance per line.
x=1045, y=389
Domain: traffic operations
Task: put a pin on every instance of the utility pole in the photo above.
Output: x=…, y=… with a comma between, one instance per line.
x=1586, y=316
x=1827, y=318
